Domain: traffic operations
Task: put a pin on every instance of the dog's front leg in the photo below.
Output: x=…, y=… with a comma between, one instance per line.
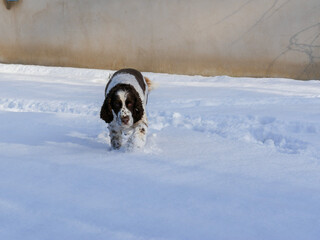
x=138, y=137
x=115, y=134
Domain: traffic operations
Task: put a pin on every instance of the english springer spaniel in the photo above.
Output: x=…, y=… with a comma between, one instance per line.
x=124, y=109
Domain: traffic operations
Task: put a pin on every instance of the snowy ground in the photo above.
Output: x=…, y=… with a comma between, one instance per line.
x=226, y=158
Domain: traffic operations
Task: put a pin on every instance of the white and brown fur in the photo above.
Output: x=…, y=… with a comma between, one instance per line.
x=124, y=108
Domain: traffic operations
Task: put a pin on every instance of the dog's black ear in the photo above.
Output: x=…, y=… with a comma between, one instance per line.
x=106, y=110
x=137, y=110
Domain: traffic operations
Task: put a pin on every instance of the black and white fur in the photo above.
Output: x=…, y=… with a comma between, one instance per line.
x=124, y=109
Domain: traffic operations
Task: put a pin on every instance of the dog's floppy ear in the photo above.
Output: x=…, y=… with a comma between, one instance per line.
x=106, y=110
x=138, y=109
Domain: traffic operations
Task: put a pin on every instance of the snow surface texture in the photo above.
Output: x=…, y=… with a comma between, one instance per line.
x=226, y=158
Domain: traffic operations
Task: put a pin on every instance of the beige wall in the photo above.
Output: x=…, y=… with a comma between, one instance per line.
x=278, y=38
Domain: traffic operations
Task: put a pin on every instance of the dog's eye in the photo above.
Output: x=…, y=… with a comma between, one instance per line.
x=117, y=105
x=129, y=104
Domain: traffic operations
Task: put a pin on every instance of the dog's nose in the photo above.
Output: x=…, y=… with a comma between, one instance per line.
x=125, y=119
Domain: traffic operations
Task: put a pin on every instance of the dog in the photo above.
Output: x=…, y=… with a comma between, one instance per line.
x=124, y=109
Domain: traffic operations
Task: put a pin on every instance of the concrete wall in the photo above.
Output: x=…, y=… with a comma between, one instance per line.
x=275, y=38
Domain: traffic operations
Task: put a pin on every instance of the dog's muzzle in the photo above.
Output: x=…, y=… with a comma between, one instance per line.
x=125, y=119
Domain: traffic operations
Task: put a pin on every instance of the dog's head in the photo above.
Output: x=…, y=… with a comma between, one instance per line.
x=123, y=105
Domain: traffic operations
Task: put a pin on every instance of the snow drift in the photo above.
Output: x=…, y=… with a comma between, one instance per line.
x=226, y=158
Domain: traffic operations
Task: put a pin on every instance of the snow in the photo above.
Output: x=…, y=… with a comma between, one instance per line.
x=226, y=158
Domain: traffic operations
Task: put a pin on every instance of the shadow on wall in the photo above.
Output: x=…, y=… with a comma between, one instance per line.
x=306, y=43
x=10, y=3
